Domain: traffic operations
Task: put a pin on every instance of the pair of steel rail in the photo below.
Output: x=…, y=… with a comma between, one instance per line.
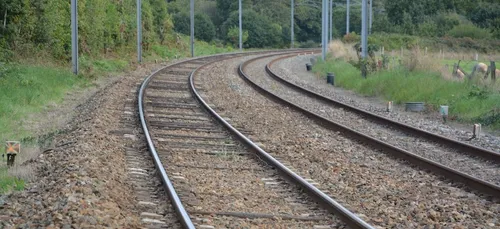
x=347, y=216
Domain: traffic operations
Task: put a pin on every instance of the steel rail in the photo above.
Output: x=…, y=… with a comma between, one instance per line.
x=461, y=146
x=450, y=173
x=348, y=217
x=169, y=187
x=176, y=201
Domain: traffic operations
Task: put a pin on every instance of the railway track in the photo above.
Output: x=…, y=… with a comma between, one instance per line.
x=461, y=147
x=388, y=193
x=323, y=113
x=214, y=175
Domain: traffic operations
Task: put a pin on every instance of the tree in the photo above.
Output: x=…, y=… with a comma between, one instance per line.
x=205, y=29
x=262, y=32
x=233, y=35
x=203, y=26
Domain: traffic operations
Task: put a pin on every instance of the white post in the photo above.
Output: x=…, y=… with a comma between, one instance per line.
x=192, y=27
x=292, y=24
x=364, y=36
x=347, y=16
x=364, y=29
x=74, y=35
x=324, y=38
x=241, y=27
x=331, y=20
x=371, y=17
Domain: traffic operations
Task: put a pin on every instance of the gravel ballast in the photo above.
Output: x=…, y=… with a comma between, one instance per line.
x=477, y=167
x=213, y=173
x=81, y=180
x=383, y=191
x=294, y=70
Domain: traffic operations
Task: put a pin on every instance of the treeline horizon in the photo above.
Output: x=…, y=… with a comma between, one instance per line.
x=106, y=25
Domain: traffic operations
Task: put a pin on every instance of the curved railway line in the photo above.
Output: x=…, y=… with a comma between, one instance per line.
x=215, y=176
x=462, y=147
x=208, y=171
x=488, y=187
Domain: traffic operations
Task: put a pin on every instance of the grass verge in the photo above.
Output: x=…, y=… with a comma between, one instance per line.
x=26, y=90
x=468, y=103
x=201, y=48
x=8, y=182
x=31, y=86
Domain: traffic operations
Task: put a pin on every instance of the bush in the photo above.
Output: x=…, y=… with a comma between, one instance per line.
x=204, y=27
x=5, y=53
x=181, y=23
x=428, y=29
x=308, y=44
x=393, y=41
x=470, y=31
x=352, y=38
x=262, y=32
x=446, y=22
x=234, y=36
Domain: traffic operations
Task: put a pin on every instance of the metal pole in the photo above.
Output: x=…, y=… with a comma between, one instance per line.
x=364, y=33
x=241, y=27
x=292, y=25
x=74, y=36
x=324, y=32
x=371, y=17
x=192, y=28
x=348, y=6
x=331, y=20
x=139, y=31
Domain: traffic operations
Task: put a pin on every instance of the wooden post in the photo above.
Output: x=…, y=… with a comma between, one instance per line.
x=426, y=51
x=493, y=71
x=455, y=69
x=402, y=52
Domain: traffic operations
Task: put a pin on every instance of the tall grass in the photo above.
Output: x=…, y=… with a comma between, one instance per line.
x=468, y=102
x=175, y=51
x=9, y=183
x=27, y=90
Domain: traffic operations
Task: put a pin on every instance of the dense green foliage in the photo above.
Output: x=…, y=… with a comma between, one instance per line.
x=203, y=26
x=104, y=25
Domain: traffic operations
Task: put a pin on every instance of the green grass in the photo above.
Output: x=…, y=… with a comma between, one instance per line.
x=468, y=103
x=201, y=48
x=99, y=66
x=8, y=183
x=27, y=90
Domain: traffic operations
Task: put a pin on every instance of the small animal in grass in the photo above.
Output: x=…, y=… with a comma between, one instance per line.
x=460, y=74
